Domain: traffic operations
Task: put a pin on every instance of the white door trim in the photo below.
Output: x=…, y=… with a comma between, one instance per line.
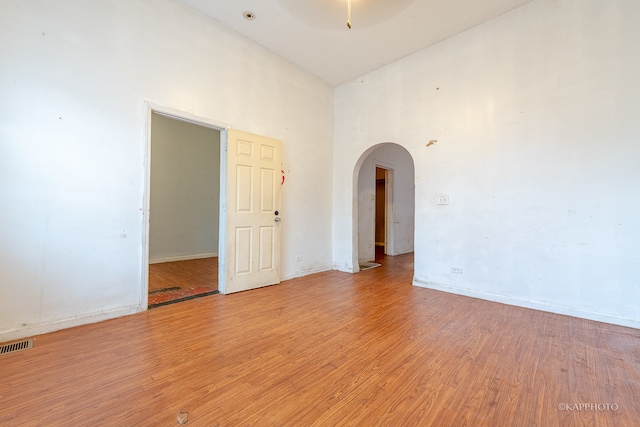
x=185, y=116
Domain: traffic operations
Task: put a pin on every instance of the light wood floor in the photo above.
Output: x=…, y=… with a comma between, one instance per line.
x=327, y=350
x=190, y=273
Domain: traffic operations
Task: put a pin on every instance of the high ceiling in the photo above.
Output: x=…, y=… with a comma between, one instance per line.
x=313, y=33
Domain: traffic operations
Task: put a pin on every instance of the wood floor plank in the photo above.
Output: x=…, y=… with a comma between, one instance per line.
x=192, y=273
x=329, y=349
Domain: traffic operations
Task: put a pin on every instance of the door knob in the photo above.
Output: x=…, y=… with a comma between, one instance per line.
x=278, y=219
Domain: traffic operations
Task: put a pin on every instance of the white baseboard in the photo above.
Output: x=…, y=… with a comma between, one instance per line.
x=181, y=258
x=535, y=305
x=316, y=269
x=56, y=325
x=342, y=268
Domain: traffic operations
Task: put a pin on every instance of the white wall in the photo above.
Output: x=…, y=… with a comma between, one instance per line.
x=74, y=77
x=185, y=190
x=396, y=158
x=536, y=117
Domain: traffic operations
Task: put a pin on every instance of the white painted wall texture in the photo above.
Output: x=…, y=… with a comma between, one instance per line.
x=535, y=114
x=536, y=120
x=74, y=76
x=185, y=190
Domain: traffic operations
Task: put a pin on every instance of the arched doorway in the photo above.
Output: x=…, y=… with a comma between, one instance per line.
x=384, y=203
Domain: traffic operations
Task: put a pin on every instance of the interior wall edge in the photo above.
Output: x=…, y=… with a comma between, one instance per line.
x=182, y=258
x=307, y=272
x=344, y=268
x=44, y=328
x=535, y=305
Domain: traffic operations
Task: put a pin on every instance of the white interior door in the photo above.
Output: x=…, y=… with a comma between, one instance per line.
x=252, y=218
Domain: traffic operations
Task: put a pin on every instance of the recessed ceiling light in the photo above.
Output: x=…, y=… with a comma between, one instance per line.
x=249, y=16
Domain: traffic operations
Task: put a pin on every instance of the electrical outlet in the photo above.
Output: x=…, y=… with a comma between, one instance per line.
x=442, y=199
x=457, y=270
x=299, y=258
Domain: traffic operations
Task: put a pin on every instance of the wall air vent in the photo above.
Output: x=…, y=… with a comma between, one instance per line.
x=16, y=346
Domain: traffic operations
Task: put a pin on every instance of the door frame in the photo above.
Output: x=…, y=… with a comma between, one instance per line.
x=184, y=116
x=389, y=229
x=353, y=267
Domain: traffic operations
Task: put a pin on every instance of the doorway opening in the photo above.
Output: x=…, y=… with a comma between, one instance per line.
x=380, y=239
x=384, y=210
x=184, y=191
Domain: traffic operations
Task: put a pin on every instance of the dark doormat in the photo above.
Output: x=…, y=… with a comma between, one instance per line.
x=368, y=265
x=173, y=295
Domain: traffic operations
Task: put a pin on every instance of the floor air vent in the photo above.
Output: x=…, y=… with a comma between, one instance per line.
x=16, y=346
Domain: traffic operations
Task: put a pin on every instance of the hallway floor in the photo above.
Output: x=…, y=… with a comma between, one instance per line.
x=171, y=282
